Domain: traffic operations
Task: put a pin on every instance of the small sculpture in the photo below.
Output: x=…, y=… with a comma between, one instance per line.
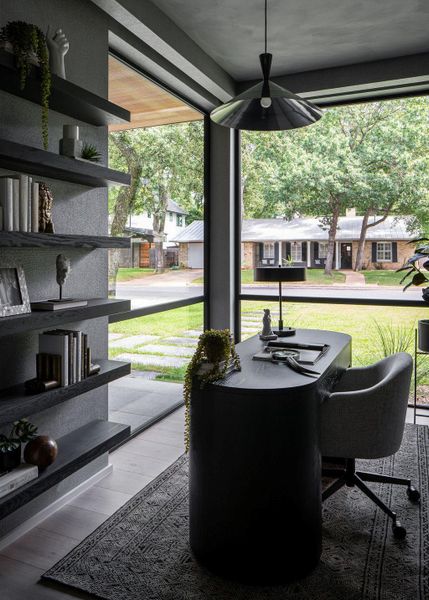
x=267, y=332
x=45, y=209
x=63, y=270
x=42, y=451
x=58, y=46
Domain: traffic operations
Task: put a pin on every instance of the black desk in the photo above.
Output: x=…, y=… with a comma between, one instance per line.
x=255, y=497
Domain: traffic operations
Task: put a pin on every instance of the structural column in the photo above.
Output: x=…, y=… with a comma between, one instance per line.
x=221, y=245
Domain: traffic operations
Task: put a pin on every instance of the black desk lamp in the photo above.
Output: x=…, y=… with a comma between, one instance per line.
x=280, y=274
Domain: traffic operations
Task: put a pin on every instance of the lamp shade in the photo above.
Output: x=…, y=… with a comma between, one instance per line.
x=287, y=111
x=280, y=274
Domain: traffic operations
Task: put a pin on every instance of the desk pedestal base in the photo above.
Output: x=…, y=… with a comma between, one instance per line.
x=255, y=498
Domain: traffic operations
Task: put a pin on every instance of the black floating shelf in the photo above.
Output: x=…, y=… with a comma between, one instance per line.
x=75, y=450
x=27, y=159
x=42, y=319
x=16, y=404
x=19, y=239
x=66, y=97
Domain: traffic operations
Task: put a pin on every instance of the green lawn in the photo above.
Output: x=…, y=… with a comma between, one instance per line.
x=130, y=274
x=313, y=276
x=383, y=277
x=358, y=321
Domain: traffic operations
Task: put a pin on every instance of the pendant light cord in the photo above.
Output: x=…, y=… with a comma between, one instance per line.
x=266, y=28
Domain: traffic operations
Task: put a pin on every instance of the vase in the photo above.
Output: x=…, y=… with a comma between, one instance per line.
x=10, y=460
x=42, y=451
x=7, y=47
x=423, y=335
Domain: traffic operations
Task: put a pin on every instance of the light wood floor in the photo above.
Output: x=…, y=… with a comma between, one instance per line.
x=135, y=464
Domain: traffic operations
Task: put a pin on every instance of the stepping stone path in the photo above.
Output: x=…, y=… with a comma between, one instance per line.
x=193, y=333
x=133, y=341
x=147, y=359
x=114, y=336
x=144, y=374
x=167, y=350
x=183, y=341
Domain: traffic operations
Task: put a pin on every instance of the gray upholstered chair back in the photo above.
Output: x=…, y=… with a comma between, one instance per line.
x=364, y=417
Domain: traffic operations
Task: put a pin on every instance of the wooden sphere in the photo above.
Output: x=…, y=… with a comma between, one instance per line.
x=42, y=451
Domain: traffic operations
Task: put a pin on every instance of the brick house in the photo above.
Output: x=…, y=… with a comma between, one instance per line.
x=305, y=241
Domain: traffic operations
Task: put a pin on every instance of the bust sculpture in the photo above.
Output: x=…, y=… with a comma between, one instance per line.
x=63, y=271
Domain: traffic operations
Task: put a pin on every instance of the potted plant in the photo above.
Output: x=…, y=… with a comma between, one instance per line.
x=10, y=446
x=413, y=270
x=215, y=352
x=28, y=44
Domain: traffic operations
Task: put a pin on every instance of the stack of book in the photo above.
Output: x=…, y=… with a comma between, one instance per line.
x=64, y=358
x=19, y=203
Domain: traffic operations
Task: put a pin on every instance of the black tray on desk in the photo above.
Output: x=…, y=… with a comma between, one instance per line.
x=309, y=354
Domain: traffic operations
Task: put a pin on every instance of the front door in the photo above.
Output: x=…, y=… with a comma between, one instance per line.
x=346, y=256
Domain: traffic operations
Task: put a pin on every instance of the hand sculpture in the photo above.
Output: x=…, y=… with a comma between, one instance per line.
x=63, y=271
x=58, y=47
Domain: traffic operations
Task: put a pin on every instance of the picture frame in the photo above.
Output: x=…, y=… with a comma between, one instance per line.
x=14, y=298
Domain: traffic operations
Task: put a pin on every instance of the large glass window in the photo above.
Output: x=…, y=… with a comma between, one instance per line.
x=162, y=211
x=269, y=251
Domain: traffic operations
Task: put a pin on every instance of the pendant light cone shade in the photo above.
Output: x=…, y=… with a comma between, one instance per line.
x=287, y=111
x=266, y=106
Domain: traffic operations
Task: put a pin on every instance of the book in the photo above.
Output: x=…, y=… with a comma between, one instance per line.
x=52, y=342
x=57, y=304
x=17, y=478
x=15, y=184
x=23, y=203
x=6, y=201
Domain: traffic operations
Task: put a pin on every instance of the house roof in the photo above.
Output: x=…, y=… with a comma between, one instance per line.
x=174, y=207
x=306, y=229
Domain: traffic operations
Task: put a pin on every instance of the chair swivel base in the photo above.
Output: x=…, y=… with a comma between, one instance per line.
x=350, y=477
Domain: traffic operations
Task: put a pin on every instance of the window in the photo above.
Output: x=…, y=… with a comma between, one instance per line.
x=170, y=216
x=296, y=251
x=384, y=251
x=179, y=220
x=323, y=249
x=268, y=249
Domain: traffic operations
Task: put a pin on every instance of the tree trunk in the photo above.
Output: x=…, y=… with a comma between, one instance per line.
x=123, y=206
x=332, y=233
x=364, y=229
x=362, y=239
x=159, y=227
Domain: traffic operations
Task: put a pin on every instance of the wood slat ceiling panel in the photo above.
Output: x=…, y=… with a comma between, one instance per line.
x=148, y=104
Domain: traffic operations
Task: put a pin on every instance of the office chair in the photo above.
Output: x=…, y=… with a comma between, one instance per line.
x=364, y=417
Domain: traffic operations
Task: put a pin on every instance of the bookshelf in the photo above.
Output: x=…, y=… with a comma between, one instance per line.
x=66, y=97
x=16, y=404
x=75, y=450
x=19, y=239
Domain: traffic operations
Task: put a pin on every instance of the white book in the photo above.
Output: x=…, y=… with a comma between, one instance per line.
x=29, y=214
x=23, y=203
x=35, y=207
x=6, y=201
x=15, y=184
x=52, y=342
x=17, y=478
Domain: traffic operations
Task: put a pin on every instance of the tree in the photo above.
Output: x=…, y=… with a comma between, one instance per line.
x=165, y=163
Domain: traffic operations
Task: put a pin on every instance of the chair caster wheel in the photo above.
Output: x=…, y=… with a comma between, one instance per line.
x=399, y=531
x=413, y=494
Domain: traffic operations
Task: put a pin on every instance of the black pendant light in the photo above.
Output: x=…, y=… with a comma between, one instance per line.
x=266, y=106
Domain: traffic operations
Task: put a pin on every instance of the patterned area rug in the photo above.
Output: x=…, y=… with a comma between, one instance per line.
x=142, y=553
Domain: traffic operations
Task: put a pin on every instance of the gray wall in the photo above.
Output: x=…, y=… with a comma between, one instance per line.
x=77, y=209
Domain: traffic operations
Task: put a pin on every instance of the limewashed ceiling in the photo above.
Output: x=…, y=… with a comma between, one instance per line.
x=303, y=34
